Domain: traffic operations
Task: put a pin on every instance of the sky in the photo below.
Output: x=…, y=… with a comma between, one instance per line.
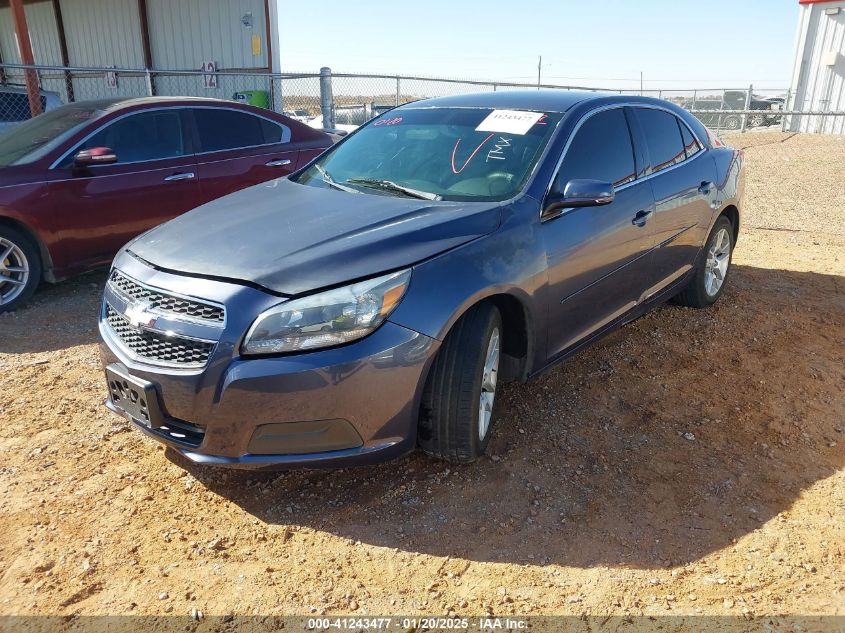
x=597, y=43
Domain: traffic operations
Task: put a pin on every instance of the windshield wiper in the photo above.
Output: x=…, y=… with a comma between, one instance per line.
x=389, y=185
x=327, y=178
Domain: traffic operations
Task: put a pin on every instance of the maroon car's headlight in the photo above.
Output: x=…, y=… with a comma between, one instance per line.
x=328, y=318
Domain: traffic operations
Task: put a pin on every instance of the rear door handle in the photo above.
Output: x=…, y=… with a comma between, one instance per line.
x=278, y=163
x=188, y=175
x=642, y=217
x=705, y=188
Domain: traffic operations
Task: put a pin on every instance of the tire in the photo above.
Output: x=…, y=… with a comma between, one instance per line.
x=732, y=122
x=20, y=268
x=701, y=290
x=451, y=427
x=756, y=120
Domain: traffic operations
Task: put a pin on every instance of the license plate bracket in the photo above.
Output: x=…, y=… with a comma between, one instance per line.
x=136, y=397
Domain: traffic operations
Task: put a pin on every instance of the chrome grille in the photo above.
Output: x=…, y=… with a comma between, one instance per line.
x=165, y=302
x=171, y=350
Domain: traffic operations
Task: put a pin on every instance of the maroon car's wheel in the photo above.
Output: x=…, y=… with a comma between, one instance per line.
x=20, y=268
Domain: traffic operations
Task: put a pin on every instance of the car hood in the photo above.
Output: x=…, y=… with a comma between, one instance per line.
x=291, y=238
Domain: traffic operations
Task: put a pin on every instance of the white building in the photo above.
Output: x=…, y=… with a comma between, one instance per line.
x=818, y=74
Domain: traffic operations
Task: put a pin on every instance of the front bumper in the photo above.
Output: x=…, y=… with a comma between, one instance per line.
x=360, y=400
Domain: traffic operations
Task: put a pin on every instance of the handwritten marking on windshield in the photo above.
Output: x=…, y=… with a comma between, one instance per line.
x=498, y=151
x=455, y=170
x=394, y=121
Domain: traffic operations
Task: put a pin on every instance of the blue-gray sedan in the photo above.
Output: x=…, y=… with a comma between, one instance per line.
x=376, y=299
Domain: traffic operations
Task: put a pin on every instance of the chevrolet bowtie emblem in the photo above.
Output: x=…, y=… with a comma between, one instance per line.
x=138, y=315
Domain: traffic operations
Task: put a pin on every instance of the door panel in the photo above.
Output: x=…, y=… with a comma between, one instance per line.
x=98, y=209
x=99, y=212
x=599, y=264
x=239, y=149
x=222, y=173
x=683, y=185
x=598, y=257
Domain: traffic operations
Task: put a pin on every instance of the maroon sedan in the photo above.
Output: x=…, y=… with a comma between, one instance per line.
x=80, y=181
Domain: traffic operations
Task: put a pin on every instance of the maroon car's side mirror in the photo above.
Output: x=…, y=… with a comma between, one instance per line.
x=95, y=156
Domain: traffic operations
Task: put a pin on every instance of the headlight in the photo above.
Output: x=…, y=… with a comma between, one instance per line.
x=328, y=318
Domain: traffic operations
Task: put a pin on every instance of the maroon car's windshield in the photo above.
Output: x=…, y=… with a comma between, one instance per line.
x=32, y=139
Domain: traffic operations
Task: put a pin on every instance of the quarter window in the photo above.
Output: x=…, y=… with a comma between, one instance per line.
x=140, y=137
x=601, y=150
x=691, y=145
x=220, y=129
x=663, y=136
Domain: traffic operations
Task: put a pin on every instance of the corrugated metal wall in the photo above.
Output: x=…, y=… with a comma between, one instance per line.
x=185, y=33
x=42, y=31
x=815, y=85
x=103, y=33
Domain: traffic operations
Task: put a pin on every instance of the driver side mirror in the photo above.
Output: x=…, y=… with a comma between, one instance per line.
x=580, y=192
x=94, y=156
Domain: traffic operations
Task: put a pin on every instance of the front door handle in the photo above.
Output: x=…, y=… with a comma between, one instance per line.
x=705, y=188
x=642, y=217
x=187, y=175
x=278, y=163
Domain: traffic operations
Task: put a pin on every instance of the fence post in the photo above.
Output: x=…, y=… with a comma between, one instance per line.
x=149, y=80
x=747, y=107
x=786, y=106
x=326, y=100
x=398, y=91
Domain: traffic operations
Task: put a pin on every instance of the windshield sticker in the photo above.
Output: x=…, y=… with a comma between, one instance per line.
x=509, y=121
x=393, y=121
x=498, y=151
x=455, y=170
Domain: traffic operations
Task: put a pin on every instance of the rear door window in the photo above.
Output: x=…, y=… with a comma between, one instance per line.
x=663, y=137
x=221, y=129
x=601, y=150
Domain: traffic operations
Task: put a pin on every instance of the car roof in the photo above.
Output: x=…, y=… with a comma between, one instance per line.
x=545, y=100
x=549, y=100
x=124, y=102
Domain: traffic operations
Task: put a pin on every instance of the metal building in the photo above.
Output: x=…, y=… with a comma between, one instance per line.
x=818, y=74
x=225, y=35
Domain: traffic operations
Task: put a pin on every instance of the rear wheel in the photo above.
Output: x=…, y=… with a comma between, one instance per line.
x=712, y=270
x=20, y=268
x=457, y=413
x=732, y=122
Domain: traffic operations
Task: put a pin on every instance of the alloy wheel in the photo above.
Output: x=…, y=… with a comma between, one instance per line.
x=718, y=260
x=14, y=271
x=489, y=376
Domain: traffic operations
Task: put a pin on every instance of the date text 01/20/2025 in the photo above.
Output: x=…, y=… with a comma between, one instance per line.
x=425, y=623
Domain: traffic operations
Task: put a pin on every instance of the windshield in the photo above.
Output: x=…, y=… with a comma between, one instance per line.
x=32, y=139
x=438, y=153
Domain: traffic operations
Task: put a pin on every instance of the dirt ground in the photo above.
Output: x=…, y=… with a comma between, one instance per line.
x=693, y=462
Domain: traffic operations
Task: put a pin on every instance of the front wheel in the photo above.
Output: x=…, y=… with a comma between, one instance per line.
x=457, y=412
x=20, y=268
x=712, y=270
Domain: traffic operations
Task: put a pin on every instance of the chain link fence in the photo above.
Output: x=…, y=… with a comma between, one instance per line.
x=343, y=100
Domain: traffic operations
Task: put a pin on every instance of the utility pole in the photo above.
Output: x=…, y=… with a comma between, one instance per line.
x=539, y=66
x=32, y=90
